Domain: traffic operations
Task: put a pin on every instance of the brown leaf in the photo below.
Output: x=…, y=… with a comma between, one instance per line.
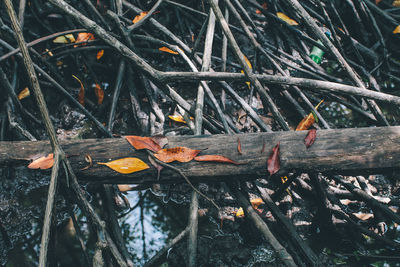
x=377, y=2
x=274, y=162
x=99, y=93
x=126, y=165
x=181, y=154
x=42, y=163
x=216, y=158
x=139, y=17
x=81, y=95
x=239, y=147
x=310, y=138
x=83, y=37
x=150, y=143
x=166, y=49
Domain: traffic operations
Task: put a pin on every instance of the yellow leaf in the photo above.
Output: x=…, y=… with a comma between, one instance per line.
x=286, y=19
x=397, y=29
x=64, y=39
x=24, y=93
x=250, y=66
x=177, y=118
x=100, y=54
x=166, y=49
x=240, y=213
x=126, y=165
x=396, y=3
x=139, y=17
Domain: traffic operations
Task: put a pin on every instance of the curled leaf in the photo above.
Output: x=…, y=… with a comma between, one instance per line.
x=83, y=37
x=139, y=17
x=166, y=49
x=42, y=163
x=310, y=138
x=151, y=143
x=126, y=165
x=215, y=158
x=98, y=91
x=24, y=93
x=286, y=19
x=309, y=120
x=274, y=162
x=81, y=95
x=181, y=154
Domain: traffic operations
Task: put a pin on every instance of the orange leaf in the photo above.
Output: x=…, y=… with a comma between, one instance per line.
x=239, y=147
x=286, y=19
x=24, y=93
x=42, y=163
x=100, y=54
x=126, y=165
x=177, y=118
x=264, y=6
x=274, y=162
x=308, y=121
x=150, y=143
x=139, y=17
x=216, y=158
x=124, y=187
x=310, y=138
x=166, y=49
x=99, y=93
x=397, y=29
x=81, y=95
x=377, y=2
x=83, y=37
x=181, y=154
x=256, y=202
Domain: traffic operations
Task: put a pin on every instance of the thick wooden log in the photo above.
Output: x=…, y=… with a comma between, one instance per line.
x=341, y=150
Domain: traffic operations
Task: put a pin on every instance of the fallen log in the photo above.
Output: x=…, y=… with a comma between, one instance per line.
x=338, y=151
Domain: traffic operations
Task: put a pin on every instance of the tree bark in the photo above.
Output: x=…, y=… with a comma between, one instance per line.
x=337, y=151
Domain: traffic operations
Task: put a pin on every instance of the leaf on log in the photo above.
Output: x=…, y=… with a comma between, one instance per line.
x=100, y=54
x=81, y=95
x=126, y=165
x=309, y=120
x=154, y=144
x=83, y=38
x=274, y=162
x=216, y=158
x=24, y=93
x=286, y=19
x=139, y=17
x=181, y=154
x=310, y=138
x=42, y=163
x=166, y=49
x=64, y=39
x=98, y=91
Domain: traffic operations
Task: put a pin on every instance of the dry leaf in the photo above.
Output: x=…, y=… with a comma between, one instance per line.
x=377, y=2
x=250, y=66
x=150, y=143
x=24, y=93
x=309, y=120
x=139, y=17
x=81, y=95
x=264, y=6
x=177, y=118
x=98, y=91
x=126, y=165
x=42, y=163
x=396, y=3
x=64, y=39
x=166, y=49
x=310, y=138
x=181, y=154
x=274, y=162
x=83, y=37
x=364, y=216
x=216, y=158
x=397, y=29
x=286, y=19
x=100, y=54
x=256, y=202
x=124, y=187
x=240, y=213
x=239, y=146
